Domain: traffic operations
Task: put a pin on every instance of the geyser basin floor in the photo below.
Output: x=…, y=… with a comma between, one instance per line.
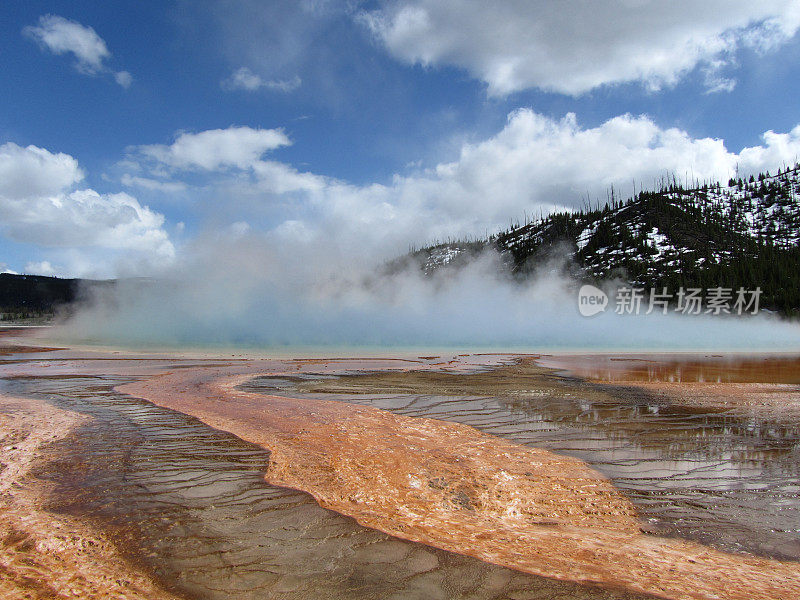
x=449, y=486
x=325, y=447
x=44, y=554
x=723, y=475
x=190, y=505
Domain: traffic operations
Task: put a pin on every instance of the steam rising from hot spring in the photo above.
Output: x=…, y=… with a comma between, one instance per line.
x=252, y=294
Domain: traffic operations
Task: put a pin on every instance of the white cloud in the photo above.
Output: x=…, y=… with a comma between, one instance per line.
x=575, y=47
x=123, y=78
x=216, y=149
x=778, y=149
x=534, y=164
x=235, y=151
x=64, y=36
x=245, y=79
x=719, y=84
x=32, y=171
x=39, y=206
x=86, y=218
x=279, y=178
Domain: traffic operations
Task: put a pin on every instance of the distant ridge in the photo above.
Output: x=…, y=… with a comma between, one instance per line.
x=36, y=297
x=744, y=234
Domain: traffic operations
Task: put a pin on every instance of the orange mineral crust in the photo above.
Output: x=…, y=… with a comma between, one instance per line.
x=450, y=486
x=45, y=555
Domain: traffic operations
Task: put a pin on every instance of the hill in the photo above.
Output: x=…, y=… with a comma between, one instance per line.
x=36, y=297
x=744, y=234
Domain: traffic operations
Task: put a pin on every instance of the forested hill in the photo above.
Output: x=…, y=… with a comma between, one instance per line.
x=743, y=234
x=26, y=297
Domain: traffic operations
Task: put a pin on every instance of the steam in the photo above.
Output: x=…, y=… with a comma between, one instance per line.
x=253, y=293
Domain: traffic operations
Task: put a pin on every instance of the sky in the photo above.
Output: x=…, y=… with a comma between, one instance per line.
x=135, y=135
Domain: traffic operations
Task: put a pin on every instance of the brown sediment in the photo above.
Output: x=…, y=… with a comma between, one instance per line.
x=44, y=555
x=450, y=486
x=7, y=350
x=15, y=331
x=521, y=377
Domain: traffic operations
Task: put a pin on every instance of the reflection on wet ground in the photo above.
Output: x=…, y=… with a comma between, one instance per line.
x=189, y=503
x=680, y=368
x=713, y=476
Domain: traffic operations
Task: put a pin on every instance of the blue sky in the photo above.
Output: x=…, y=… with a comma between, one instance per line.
x=370, y=125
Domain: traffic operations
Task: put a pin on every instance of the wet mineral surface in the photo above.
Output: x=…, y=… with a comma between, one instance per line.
x=190, y=506
x=725, y=477
x=489, y=467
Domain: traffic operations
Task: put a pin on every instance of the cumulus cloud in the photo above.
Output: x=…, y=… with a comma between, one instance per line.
x=572, y=48
x=778, y=148
x=245, y=79
x=64, y=36
x=235, y=149
x=86, y=218
x=216, y=149
x=535, y=164
x=32, y=171
x=38, y=205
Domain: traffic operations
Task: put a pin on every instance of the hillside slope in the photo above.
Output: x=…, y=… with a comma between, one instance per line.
x=24, y=297
x=745, y=234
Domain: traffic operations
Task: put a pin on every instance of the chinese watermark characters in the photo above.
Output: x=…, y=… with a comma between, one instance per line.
x=687, y=301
